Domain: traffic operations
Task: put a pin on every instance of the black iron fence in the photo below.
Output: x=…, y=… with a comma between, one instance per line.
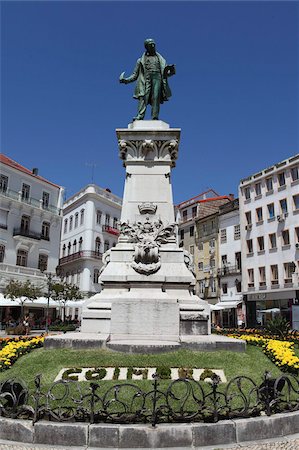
x=182, y=400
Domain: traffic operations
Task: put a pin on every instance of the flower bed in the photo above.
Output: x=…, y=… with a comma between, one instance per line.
x=12, y=349
x=280, y=352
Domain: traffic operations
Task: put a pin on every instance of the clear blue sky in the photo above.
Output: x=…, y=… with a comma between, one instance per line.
x=235, y=94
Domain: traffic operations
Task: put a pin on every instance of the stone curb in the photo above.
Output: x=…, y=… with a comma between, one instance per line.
x=145, y=436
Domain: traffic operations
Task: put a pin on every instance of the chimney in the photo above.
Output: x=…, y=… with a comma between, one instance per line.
x=35, y=171
x=231, y=196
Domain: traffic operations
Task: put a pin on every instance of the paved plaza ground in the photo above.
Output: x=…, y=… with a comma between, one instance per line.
x=286, y=443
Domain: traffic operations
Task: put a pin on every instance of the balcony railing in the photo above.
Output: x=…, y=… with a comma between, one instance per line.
x=229, y=270
x=26, y=233
x=30, y=200
x=110, y=230
x=20, y=270
x=81, y=254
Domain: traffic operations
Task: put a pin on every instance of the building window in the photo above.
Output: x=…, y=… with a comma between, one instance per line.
x=269, y=184
x=182, y=235
x=289, y=269
x=200, y=246
x=191, y=249
x=212, y=243
x=258, y=189
x=194, y=211
x=238, y=284
x=2, y=253
x=3, y=183
x=248, y=217
x=115, y=223
x=45, y=231
x=212, y=263
x=45, y=200
x=259, y=214
x=22, y=256
x=25, y=223
x=271, y=211
x=76, y=219
x=69, y=246
x=262, y=273
x=99, y=217
x=295, y=173
x=63, y=250
x=107, y=220
x=223, y=237
x=71, y=223
x=75, y=246
x=213, y=285
x=284, y=206
x=224, y=260
x=296, y=202
x=224, y=288
x=25, y=192
x=82, y=217
x=200, y=266
x=272, y=240
x=281, y=179
x=65, y=226
x=185, y=215
x=261, y=243
x=98, y=245
x=201, y=286
x=250, y=273
x=237, y=232
x=106, y=246
x=96, y=274
x=80, y=244
x=213, y=224
x=192, y=231
x=43, y=262
x=285, y=237
x=247, y=193
x=297, y=234
x=249, y=246
x=238, y=261
x=274, y=274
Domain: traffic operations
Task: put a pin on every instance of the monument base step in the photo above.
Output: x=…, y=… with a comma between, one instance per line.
x=85, y=341
x=143, y=346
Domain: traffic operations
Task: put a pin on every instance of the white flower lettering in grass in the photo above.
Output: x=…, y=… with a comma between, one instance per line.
x=138, y=373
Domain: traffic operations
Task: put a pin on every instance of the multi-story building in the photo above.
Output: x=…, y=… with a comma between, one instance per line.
x=198, y=233
x=230, y=311
x=269, y=220
x=90, y=228
x=30, y=224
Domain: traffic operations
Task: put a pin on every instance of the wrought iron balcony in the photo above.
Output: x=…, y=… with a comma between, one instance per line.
x=29, y=201
x=229, y=270
x=79, y=255
x=110, y=230
x=26, y=233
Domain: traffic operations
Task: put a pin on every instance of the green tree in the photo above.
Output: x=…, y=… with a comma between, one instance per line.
x=22, y=291
x=62, y=292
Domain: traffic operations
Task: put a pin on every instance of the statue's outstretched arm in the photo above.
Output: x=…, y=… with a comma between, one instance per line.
x=132, y=77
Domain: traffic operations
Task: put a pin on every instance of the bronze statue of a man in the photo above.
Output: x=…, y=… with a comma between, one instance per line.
x=151, y=73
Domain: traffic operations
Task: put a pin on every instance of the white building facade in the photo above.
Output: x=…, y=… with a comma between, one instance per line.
x=30, y=224
x=269, y=219
x=90, y=228
x=231, y=311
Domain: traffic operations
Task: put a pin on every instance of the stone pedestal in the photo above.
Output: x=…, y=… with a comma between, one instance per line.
x=147, y=280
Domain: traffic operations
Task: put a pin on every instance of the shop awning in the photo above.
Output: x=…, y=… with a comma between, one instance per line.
x=40, y=302
x=225, y=305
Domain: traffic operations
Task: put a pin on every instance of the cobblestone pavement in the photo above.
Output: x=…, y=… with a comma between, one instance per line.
x=287, y=443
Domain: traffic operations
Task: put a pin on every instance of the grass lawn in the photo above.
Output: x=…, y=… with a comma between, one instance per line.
x=252, y=363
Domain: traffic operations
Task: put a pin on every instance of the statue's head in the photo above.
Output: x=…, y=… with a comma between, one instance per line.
x=150, y=45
